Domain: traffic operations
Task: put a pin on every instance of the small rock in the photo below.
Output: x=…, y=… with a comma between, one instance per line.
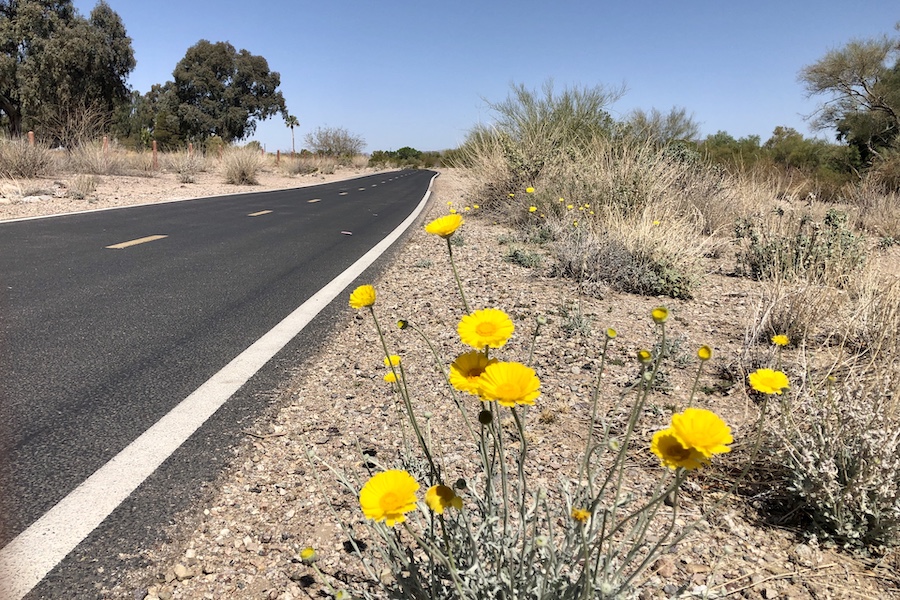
x=665, y=567
x=770, y=593
x=182, y=572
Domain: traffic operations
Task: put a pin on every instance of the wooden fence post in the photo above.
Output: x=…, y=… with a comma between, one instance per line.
x=105, y=144
x=278, y=157
x=155, y=158
x=31, y=138
x=190, y=148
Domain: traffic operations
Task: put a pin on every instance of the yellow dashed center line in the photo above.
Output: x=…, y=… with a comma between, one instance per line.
x=143, y=240
x=260, y=213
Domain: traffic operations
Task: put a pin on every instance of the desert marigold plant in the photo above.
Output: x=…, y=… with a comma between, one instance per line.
x=488, y=530
x=768, y=381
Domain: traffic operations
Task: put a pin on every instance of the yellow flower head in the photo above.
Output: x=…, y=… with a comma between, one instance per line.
x=704, y=353
x=390, y=377
x=780, y=340
x=388, y=496
x=532, y=208
x=660, y=314
x=611, y=333
x=441, y=497
x=510, y=383
x=445, y=226
x=391, y=361
x=666, y=446
x=529, y=190
x=488, y=327
x=466, y=370
x=644, y=356
x=768, y=381
x=308, y=555
x=362, y=297
x=581, y=515
x=702, y=430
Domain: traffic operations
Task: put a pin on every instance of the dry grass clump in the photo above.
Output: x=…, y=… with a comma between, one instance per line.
x=618, y=212
x=241, y=166
x=185, y=164
x=92, y=158
x=307, y=165
x=83, y=186
x=20, y=159
x=878, y=209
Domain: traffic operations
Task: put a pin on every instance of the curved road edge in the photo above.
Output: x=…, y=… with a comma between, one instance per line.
x=31, y=555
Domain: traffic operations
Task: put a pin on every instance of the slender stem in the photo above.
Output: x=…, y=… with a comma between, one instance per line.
x=436, y=476
x=694, y=387
x=456, y=276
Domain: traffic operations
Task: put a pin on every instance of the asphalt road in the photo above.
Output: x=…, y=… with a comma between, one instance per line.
x=96, y=344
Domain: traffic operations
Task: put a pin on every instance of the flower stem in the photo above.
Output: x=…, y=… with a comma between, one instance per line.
x=456, y=276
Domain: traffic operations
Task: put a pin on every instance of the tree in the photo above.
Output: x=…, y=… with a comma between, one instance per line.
x=60, y=72
x=661, y=129
x=334, y=141
x=863, y=82
x=220, y=91
x=291, y=121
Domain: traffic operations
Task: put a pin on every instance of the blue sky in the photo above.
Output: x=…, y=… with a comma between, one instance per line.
x=413, y=73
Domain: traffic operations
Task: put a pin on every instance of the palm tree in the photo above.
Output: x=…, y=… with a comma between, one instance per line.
x=291, y=121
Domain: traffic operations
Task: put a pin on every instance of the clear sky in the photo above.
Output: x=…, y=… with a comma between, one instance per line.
x=414, y=73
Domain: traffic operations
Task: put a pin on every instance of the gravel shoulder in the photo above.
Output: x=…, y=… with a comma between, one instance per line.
x=271, y=502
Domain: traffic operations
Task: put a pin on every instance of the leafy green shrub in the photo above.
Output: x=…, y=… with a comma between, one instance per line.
x=241, y=166
x=827, y=252
x=19, y=159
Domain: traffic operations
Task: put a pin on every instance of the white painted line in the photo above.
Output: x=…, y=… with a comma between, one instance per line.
x=361, y=189
x=143, y=240
x=27, y=559
x=260, y=213
x=314, y=200
x=343, y=193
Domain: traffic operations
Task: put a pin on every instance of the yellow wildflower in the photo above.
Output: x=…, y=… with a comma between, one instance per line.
x=445, y=226
x=672, y=454
x=702, y=430
x=441, y=497
x=488, y=327
x=510, y=383
x=362, y=297
x=768, y=381
x=388, y=496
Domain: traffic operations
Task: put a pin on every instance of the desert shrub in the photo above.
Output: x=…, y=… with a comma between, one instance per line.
x=629, y=252
x=82, y=187
x=91, y=158
x=878, y=208
x=787, y=245
x=20, y=159
x=241, y=166
x=523, y=258
x=840, y=447
x=185, y=164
